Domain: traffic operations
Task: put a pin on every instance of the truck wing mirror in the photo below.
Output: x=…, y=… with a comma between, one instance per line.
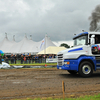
x=92, y=39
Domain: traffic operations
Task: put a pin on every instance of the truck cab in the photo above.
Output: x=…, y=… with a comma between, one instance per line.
x=83, y=57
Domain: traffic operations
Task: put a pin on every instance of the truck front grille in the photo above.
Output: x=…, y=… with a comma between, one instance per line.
x=60, y=59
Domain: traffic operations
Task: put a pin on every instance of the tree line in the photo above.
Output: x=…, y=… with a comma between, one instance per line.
x=65, y=45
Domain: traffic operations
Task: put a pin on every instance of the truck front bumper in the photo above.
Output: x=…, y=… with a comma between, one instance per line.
x=69, y=65
x=64, y=67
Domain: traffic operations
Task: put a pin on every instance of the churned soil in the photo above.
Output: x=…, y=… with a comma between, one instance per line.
x=46, y=82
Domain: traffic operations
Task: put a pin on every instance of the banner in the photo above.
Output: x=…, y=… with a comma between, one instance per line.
x=51, y=60
x=43, y=42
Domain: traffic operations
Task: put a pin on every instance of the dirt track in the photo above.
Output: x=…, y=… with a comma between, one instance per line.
x=31, y=83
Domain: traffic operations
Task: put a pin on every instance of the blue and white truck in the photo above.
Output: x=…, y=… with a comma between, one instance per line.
x=83, y=57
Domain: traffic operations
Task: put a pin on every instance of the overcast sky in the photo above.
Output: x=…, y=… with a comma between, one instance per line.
x=60, y=19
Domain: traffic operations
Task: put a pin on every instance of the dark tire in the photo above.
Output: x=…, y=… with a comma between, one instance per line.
x=86, y=69
x=72, y=72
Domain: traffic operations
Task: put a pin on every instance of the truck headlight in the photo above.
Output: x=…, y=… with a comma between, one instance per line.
x=67, y=63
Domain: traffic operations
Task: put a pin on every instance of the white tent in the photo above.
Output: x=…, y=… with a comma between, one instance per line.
x=39, y=46
x=25, y=45
x=52, y=50
x=5, y=45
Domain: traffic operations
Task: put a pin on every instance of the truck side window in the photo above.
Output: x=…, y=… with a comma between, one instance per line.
x=97, y=40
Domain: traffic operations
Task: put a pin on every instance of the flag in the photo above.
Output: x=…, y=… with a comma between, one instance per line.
x=43, y=42
x=1, y=52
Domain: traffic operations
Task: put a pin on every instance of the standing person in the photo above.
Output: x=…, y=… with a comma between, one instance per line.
x=0, y=59
x=53, y=56
x=40, y=58
x=36, y=58
x=43, y=58
x=29, y=58
x=12, y=58
x=25, y=59
x=22, y=59
x=33, y=59
x=15, y=58
x=56, y=56
x=6, y=60
x=50, y=56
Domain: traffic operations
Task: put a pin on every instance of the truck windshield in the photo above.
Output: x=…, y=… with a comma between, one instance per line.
x=82, y=40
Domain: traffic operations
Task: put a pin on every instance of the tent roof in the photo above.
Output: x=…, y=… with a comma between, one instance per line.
x=52, y=50
x=5, y=45
x=25, y=45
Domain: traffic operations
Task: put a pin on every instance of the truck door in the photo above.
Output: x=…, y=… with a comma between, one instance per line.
x=95, y=47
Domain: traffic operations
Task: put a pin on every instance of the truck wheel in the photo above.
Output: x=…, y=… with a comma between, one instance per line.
x=72, y=72
x=86, y=69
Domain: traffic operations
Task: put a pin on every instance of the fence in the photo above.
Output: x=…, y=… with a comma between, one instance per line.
x=29, y=61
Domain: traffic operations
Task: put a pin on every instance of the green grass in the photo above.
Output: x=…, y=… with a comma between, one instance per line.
x=94, y=97
x=35, y=64
x=18, y=63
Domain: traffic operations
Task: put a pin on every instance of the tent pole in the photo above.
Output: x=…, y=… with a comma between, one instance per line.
x=45, y=48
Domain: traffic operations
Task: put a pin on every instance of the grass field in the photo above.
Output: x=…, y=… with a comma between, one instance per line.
x=95, y=97
x=18, y=63
x=35, y=64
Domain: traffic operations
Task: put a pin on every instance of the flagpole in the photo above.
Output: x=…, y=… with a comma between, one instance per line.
x=45, y=47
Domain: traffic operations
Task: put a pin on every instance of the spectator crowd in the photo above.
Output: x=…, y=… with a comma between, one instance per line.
x=25, y=59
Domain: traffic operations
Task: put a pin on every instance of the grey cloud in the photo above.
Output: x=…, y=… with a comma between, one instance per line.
x=60, y=19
